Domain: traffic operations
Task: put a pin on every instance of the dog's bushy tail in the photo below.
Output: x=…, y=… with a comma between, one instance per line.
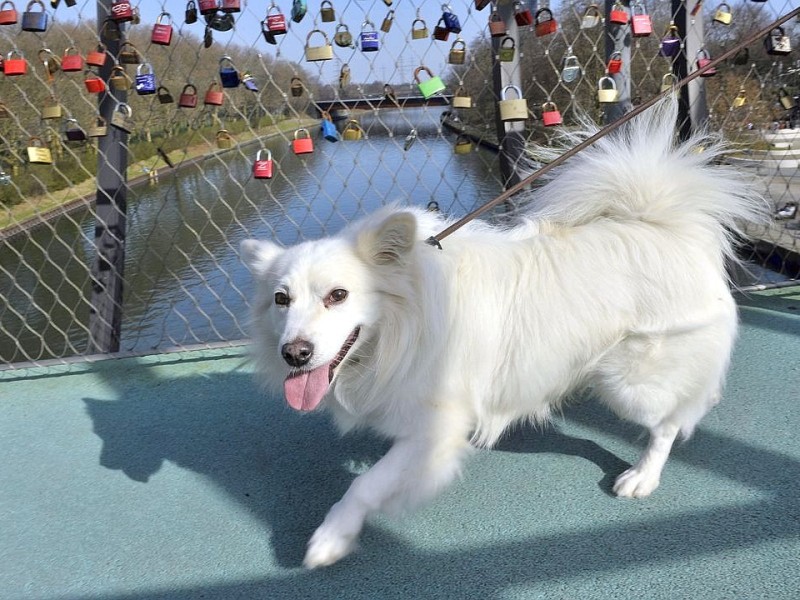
x=640, y=173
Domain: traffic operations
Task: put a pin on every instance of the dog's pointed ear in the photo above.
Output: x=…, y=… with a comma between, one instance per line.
x=391, y=241
x=257, y=255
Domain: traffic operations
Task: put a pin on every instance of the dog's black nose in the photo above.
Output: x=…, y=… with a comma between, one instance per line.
x=297, y=353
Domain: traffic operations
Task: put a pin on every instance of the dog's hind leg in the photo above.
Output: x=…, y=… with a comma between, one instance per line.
x=414, y=470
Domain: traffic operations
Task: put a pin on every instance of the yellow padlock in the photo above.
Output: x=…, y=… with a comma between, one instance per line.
x=461, y=99
x=224, y=139
x=51, y=109
x=668, y=82
x=723, y=14
x=741, y=99
x=352, y=131
x=38, y=153
x=419, y=30
x=99, y=129
x=607, y=91
x=463, y=145
x=513, y=109
x=119, y=79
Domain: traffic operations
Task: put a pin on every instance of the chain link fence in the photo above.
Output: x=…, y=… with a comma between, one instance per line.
x=140, y=143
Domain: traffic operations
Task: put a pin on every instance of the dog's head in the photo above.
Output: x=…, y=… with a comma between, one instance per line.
x=318, y=303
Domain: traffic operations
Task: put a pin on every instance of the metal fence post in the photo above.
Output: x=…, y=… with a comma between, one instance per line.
x=693, y=109
x=511, y=134
x=618, y=39
x=105, y=313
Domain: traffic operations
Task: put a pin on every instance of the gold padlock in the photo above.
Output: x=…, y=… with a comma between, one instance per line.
x=463, y=144
x=99, y=129
x=51, y=109
x=512, y=109
x=51, y=62
x=668, y=82
x=224, y=139
x=38, y=153
x=344, y=76
x=296, y=87
x=318, y=53
x=119, y=79
x=723, y=14
x=387, y=22
x=419, y=30
x=741, y=99
x=352, y=131
x=785, y=99
x=123, y=117
x=326, y=12
x=607, y=91
x=128, y=54
x=457, y=55
x=461, y=99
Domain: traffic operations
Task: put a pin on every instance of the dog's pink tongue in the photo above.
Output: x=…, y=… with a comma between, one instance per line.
x=304, y=390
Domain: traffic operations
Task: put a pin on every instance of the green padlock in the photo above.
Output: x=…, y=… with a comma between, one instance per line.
x=506, y=51
x=432, y=86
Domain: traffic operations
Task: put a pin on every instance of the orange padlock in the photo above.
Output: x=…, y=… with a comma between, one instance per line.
x=214, y=95
x=302, y=143
x=545, y=22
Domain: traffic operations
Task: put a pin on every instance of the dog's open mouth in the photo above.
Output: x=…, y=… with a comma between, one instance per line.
x=304, y=389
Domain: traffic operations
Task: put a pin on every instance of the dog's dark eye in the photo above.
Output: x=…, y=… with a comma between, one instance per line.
x=281, y=299
x=336, y=297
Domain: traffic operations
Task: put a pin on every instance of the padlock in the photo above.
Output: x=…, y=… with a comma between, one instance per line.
x=368, y=37
x=97, y=58
x=432, y=86
x=607, y=90
x=128, y=54
x=208, y=7
x=38, y=153
x=668, y=82
x=671, y=42
x=228, y=74
x=15, y=64
x=785, y=99
x=723, y=14
x=231, y=6
x=110, y=30
x=352, y=131
x=641, y=24
x=164, y=96
x=506, y=51
x=522, y=15
x=34, y=20
x=571, y=69
x=188, y=97
x=545, y=22
x=52, y=64
x=145, y=80
x=51, y=109
x=318, y=53
x=388, y=20
x=121, y=11
x=551, y=116
x=463, y=144
x=262, y=167
x=614, y=64
x=457, y=55
x=190, y=16
x=8, y=13
x=73, y=132
x=224, y=139
x=326, y=12
x=249, y=82
x=214, y=95
x=389, y=94
x=740, y=99
x=296, y=87
x=71, y=60
x=703, y=59
x=344, y=76
x=302, y=143
x=343, y=38
x=461, y=99
x=328, y=129
x=119, y=79
x=162, y=32
x=618, y=15
x=276, y=21
x=299, y=9
x=512, y=109
x=99, y=129
x=419, y=30
x=122, y=117
x=93, y=83
x=497, y=27
x=777, y=43
x=591, y=17
x=269, y=37
x=440, y=31
x=450, y=19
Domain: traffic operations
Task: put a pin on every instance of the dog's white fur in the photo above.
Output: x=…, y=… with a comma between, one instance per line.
x=614, y=280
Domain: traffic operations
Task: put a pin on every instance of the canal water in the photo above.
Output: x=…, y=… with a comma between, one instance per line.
x=184, y=282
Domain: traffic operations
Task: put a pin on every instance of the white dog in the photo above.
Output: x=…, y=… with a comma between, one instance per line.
x=615, y=280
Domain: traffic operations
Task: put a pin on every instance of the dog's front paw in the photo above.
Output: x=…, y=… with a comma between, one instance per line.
x=636, y=483
x=326, y=547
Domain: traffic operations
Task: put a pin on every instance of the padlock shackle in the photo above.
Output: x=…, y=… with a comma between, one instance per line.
x=164, y=14
x=312, y=32
x=606, y=78
x=508, y=38
x=421, y=68
x=512, y=87
x=305, y=132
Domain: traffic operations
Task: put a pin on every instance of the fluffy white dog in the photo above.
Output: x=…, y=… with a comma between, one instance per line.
x=614, y=280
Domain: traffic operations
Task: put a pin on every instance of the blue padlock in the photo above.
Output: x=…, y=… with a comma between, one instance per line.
x=329, y=129
x=34, y=20
x=249, y=82
x=450, y=19
x=228, y=74
x=145, y=82
x=369, y=38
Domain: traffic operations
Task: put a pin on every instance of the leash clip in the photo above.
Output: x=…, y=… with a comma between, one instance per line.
x=432, y=241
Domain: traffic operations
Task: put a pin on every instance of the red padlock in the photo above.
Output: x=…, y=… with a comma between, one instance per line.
x=545, y=22
x=162, y=32
x=71, y=60
x=641, y=25
x=618, y=15
x=550, y=114
x=302, y=143
x=231, y=6
x=188, y=97
x=702, y=60
x=208, y=6
x=15, y=66
x=97, y=58
x=214, y=95
x=121, y=11
x=8, y=16
x=276, y=22
x=614, y=63
x=522, y=15
x=262, y=167
x=93, y=83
